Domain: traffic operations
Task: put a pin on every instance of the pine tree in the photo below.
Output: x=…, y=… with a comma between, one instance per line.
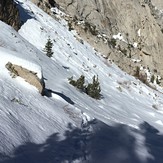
x=48, y=48
x=80, y=83
x=93, y=89
x=157, y=80
x=152, y=79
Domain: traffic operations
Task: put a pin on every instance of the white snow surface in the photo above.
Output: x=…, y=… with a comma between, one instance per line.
x=30, y=123
x=119, y=37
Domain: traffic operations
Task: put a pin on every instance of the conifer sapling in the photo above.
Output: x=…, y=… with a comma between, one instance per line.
x=48, y=48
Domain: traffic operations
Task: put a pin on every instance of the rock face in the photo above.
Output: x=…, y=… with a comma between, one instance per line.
x=129, y=32
x=137, y=26
x=158, y=4
x=45, y=4
x=28, y=75
x=9, y=13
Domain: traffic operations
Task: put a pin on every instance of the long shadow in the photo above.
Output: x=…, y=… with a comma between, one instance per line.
x=94, y=143
x=154, y=142
x=49, y=92
x=23, y=13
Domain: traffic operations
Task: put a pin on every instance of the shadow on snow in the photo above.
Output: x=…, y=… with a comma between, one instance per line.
x=49, y=92
x=94, y=143
x=24, y=14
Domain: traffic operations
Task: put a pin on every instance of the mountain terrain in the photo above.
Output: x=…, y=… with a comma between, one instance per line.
x=9, y=13
x=124, y=31
x=43, y=118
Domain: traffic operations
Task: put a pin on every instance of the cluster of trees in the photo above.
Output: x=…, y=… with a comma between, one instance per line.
x=92, y=89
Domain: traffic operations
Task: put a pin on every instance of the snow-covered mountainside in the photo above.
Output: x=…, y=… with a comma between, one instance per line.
x=66, y=125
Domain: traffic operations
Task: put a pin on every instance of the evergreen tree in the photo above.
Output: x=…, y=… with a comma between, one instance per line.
x=93, y=89
x=79, y=83
x=152, y=79
x=157, y=80
x=48, y=48
x=72, y=81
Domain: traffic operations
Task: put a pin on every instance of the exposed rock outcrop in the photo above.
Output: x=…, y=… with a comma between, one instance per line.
x=137, y=23
x=28, y=75
x=129, y=32
x=9, y=13
x=45, y=4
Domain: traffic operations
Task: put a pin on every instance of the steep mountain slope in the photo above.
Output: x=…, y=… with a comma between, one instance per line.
x=67, y=125
x=139, y=22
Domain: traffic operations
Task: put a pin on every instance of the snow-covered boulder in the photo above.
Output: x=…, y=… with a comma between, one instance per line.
x=27, y=75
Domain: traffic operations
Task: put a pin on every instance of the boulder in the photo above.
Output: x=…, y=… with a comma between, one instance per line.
x=27, y=75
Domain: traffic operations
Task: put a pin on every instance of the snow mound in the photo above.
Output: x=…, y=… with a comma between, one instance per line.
x=14, y=57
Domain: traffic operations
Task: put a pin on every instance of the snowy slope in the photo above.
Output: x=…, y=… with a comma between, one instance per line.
x=26, y=116
x=82, y=59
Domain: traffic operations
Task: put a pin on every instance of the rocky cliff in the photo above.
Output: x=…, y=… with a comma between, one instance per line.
x=129, y=32
x=9, y=13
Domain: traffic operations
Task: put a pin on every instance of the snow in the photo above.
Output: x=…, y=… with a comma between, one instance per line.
x=119, y=37
x=136, y=60
x=135, y=44
x=159, y=122
x=55, y=10
x=66, y=123
x=11, y=56
x=140, y=148
x=139, y=32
